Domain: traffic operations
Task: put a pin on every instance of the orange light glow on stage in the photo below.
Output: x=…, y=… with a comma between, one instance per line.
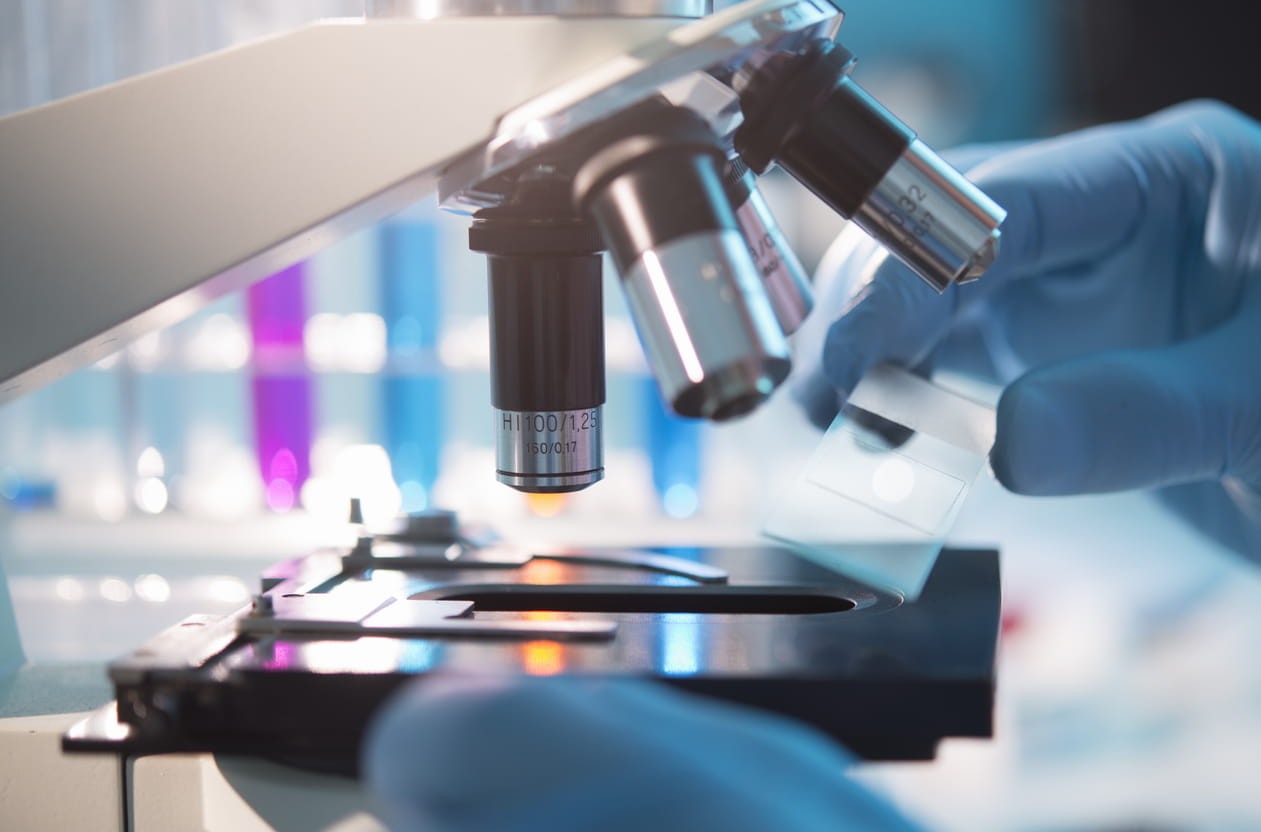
x=542, y=658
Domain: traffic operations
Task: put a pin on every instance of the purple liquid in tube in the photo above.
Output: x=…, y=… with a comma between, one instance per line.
x=281, y=386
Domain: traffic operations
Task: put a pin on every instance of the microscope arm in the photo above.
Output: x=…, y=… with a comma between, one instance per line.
x=127, y=208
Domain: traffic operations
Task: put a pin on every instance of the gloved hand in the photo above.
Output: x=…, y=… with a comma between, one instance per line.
x=1125, y=303
x=559, y=754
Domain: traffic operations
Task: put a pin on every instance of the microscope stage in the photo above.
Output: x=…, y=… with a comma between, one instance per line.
x=299, y=674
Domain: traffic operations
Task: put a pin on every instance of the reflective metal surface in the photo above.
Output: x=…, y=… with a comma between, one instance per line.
x=709, y=98
x=558, y=451
x=933, y=219
x=466, y=552
x=641, y=559
x=717, y=43
x=707, y=326
x=433, y=9
x=327, y=614
x=783, y=276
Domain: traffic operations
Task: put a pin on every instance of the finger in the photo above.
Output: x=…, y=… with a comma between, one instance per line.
x=1131, y=419
x=968, y=156
x=1177, y=273
x=895, y=317
x=838, y=279
x=564, y=754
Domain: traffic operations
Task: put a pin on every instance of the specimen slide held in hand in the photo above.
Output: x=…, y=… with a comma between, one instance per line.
x=879, y=495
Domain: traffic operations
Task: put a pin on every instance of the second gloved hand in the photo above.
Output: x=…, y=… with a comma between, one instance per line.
x=1125, y=303
x=486, y=754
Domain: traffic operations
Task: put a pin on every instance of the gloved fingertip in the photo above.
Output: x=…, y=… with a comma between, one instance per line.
x=1039, y=447
x=844, y=357
x=472, y=752
x=423, y=712
x=818, y=400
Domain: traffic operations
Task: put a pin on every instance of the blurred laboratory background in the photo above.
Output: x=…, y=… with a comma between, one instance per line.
x=160, y=480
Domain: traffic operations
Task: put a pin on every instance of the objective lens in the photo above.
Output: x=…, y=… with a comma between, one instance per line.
x=783, y=276
x=806, y=114
x=655, y=190
x=547, y=341
x=939, y=223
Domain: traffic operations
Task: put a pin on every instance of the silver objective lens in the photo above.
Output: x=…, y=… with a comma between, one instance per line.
x=936, y=221
x=706, y=325
x=655, y=189
x=556, y=451
x=805, y=114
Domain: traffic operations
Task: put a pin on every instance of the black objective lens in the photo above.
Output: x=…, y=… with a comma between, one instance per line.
x=547, y=339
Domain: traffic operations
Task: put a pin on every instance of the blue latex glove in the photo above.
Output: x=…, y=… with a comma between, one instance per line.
x=559, y=754
x=1125, y=303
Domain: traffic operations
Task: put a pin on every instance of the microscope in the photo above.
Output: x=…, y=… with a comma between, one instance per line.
x=128, y=207
x=567, y=129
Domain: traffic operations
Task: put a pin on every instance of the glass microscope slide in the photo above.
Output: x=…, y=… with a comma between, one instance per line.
x=877, y=498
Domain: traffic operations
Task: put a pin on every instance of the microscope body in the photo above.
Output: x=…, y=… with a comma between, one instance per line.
x=128, y=208
x=571, y=129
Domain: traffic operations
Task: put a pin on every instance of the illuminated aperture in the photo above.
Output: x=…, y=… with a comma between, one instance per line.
x=542, y=658
x=546, y=505
x=542, y=571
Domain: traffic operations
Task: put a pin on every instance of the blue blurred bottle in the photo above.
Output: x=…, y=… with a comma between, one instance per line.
x=674, y=451
x=414, y=390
